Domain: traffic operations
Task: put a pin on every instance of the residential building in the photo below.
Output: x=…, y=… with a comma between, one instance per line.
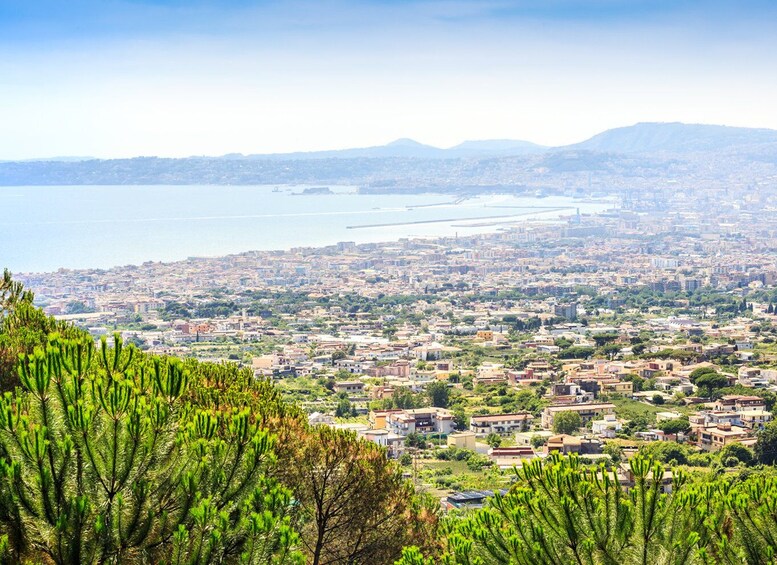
x=502, y=424
x=420, y=421
x=350, y=387
x=587, y=412
x=510, y=456
x=755, y=419
x=714, y=437
x=739, y=403
x=472, y=499
x=563, y=444
x=462, y=440
x=606, y=427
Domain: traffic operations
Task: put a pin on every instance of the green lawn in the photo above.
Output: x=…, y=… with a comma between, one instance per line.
x=629, y=409
x=441, y=478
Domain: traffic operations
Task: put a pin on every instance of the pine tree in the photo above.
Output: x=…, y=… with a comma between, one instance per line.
x=111, y=455
x=103, y=458
x=560, y=511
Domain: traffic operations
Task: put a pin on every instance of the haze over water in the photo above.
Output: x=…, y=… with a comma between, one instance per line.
x=103, y=226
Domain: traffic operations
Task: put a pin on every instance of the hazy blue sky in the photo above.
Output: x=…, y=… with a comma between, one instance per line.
x=113, y=78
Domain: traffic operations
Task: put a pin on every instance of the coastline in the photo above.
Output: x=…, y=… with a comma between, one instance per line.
x=101, y=228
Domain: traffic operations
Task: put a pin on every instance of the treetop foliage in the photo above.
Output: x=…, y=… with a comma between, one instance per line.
x=109, y=454
x=104, y=458
x=560, y=511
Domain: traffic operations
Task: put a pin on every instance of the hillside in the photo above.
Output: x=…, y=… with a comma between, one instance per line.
x=111, y=455
x=650, y=152
x=411, y=149
x=675, y=138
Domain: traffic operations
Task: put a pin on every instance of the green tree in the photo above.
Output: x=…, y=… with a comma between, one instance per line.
x=344, y=408
x=765, y=448
x=733, y=454
x=675, y=426
x=415, y=440
x=414, y=556
x=478, y=462
x=537, y=441
x=614, y=450
x=696, y=373
x=460, y=418
x=610, y=349
x=494, y=440
x=389, y=333
x=708, y=383
x=439, y=394
x=604, y=339
x=355, y=506
x=576, y=352
x=666, y=452
x=561, y=512
x=567, y=422
x=637, y=423
x=23, y=327
x=339, y=354
x=402, y=398
x=104, y=459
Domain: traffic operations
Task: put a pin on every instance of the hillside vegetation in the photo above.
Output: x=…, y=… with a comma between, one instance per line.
x=110, y=455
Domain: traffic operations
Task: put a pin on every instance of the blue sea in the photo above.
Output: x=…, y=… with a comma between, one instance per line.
x=52, y=227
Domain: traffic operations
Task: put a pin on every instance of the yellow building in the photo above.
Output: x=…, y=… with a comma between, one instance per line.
x=462, y=440
x=626, y=388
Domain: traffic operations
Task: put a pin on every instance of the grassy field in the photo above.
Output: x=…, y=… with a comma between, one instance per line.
x=629, y=409
x=441, y=478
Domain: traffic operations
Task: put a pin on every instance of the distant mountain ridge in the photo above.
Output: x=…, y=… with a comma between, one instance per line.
x=619, y=155
x=675, y=137
x=409, y=148
x=644, y=137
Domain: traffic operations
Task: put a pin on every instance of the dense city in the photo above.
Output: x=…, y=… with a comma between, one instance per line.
x=603, y=335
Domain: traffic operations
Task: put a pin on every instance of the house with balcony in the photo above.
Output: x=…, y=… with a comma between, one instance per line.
x=739, y=403
x=755, y=419
x=502, y=424
x=349, y=387
x=378, y=418
x=617, y=386
x=420, y=421
x=713, y=437
x=713, y=417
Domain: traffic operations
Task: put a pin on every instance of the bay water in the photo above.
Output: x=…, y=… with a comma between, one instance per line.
x=51, y=227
